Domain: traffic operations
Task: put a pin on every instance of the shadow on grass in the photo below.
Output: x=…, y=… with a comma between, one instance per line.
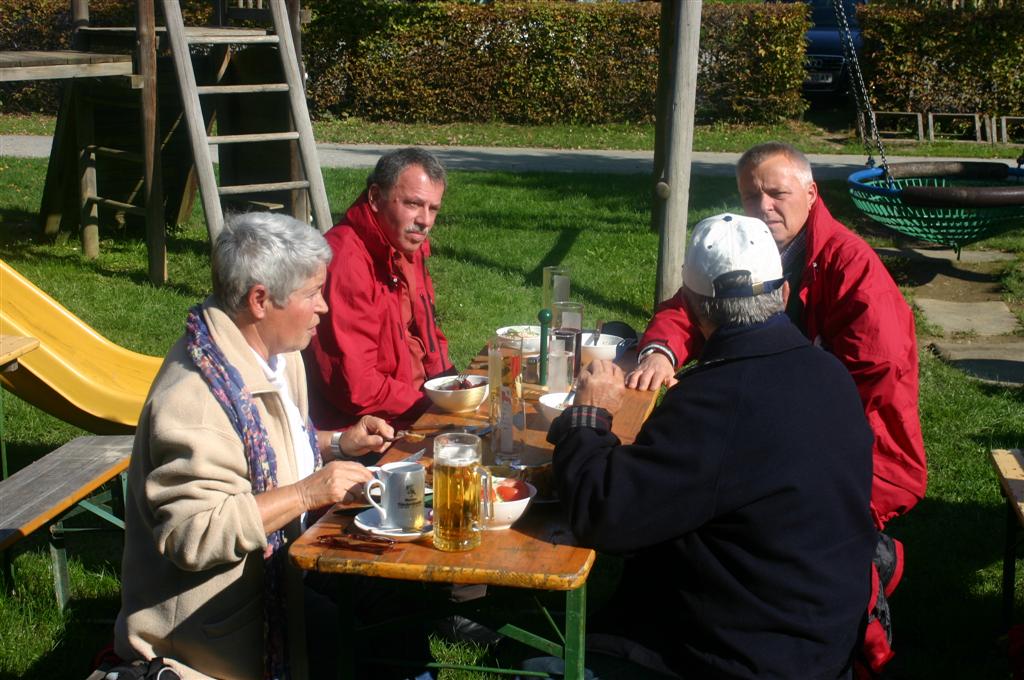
x=89, y=627
x=915, y=270
x=87, y=624
x=946, y=624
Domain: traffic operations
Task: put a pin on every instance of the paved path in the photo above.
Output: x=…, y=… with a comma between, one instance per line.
x=1001, y=361
x=518, y=159
x=979, y=338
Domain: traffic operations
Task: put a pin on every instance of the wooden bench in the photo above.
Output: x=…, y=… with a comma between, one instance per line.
x=48, y=489
x=1009, y=465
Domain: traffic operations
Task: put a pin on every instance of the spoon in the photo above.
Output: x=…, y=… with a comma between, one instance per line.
x=596, y=335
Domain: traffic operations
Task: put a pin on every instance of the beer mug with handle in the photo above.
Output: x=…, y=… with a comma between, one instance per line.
x=459, y=482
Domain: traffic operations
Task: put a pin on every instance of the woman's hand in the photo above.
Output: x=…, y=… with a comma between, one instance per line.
x=336, y=482
x=369, y=434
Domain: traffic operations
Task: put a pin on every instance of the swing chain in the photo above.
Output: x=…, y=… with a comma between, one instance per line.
x=860, y=91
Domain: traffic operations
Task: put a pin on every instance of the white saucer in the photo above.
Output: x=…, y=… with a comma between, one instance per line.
x=369, y=521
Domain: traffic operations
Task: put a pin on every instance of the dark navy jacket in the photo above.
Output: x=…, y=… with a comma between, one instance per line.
x=745, y=499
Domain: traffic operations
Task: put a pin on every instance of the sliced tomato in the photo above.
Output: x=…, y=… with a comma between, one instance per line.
x=512, y=489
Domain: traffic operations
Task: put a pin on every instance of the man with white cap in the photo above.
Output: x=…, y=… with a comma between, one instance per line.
x=743, y=504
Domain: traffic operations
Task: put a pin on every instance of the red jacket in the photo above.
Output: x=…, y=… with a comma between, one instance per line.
x=854, y=310
x=359, y=363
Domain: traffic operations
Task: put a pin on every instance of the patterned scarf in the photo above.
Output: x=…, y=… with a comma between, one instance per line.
x=234, y=397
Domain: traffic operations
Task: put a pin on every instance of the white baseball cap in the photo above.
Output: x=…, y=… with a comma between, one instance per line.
x=732, y=256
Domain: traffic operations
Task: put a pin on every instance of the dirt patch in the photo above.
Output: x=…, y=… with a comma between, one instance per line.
x=952, y=281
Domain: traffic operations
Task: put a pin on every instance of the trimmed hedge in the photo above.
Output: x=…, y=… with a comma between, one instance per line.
x=513, y=61
x=541, y=62
x=930, y=57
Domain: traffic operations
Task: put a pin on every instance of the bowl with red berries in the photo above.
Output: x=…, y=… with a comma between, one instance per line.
x=509, y=500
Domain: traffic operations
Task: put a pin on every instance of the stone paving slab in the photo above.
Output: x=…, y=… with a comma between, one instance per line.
x=976, y=318
x=999, y=363
x=948, y=255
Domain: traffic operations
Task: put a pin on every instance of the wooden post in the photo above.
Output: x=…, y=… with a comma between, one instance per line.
x=662, y=112
x=676, y=176
x=300, y=198
x=79, y=19
x=153, y=199
x=89, y=211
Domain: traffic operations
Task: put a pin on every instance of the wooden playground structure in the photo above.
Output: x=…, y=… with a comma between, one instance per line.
x=142, y=106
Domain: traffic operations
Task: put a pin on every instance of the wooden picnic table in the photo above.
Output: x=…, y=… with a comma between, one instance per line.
x=538, y=552
x=12, y=347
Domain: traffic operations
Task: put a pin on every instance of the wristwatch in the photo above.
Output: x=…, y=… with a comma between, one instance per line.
x=651, y=349
x=336, y=442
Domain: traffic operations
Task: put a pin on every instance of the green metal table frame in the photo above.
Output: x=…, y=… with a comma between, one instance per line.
x=568, y=645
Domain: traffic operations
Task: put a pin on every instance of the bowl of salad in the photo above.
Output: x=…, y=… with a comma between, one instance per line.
x=454, y=396
x=530, y=335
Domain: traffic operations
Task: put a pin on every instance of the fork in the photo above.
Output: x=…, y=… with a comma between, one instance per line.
x=407, y=435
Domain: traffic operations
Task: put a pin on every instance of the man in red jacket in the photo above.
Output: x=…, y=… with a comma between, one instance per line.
x=844, y=300
x=380, y=340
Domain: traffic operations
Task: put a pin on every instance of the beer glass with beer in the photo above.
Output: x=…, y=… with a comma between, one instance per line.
x=459, y=479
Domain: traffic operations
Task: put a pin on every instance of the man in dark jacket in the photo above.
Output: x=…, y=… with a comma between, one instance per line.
x=380, y=341
x=744, y=502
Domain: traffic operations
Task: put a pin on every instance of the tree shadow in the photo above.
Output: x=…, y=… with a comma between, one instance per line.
x=912, y=268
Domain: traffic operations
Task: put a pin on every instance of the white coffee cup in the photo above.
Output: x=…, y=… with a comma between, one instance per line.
x=401, y=495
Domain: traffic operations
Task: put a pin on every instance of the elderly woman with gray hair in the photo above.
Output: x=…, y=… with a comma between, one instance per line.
x=227, y=465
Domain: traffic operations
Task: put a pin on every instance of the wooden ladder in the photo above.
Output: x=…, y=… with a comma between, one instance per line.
x=181, y=40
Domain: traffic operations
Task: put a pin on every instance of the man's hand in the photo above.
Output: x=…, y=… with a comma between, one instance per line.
x=369, y=434
x=336, y=482
x=654, y=371
x=600, y=384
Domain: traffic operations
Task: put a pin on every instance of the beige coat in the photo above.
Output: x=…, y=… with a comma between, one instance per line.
x=192, y=577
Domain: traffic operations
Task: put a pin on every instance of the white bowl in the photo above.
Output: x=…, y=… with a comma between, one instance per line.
x=456, y=401
x=606, y=347
x=551, y=406
x=530, y=336
x=505, y=513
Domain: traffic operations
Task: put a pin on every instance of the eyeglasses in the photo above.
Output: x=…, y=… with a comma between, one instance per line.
x=377, y=545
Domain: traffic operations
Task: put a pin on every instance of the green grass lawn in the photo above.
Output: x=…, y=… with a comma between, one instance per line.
x=495, y=234
x=823, y=130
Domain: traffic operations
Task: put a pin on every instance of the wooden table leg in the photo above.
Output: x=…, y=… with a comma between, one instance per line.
x=1009, y=564
x=575, y=632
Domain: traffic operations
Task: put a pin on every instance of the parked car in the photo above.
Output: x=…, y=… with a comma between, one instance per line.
x=827, y=70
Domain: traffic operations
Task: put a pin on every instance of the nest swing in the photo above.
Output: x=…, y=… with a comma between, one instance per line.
x=952, y=203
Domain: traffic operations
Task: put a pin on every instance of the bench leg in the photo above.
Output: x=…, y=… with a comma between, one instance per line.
x=7, y=573
x=58, y=554
x=1009, y=565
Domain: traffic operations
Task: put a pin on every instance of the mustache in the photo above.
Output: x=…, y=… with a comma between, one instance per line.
x=417, y=229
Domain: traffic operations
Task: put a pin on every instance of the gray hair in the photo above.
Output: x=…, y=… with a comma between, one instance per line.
x=756, y=155
x=738, y=311
x=392, y=164
x=275, y=250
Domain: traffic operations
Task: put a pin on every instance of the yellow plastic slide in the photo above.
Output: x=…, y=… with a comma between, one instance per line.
x=75, y=374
